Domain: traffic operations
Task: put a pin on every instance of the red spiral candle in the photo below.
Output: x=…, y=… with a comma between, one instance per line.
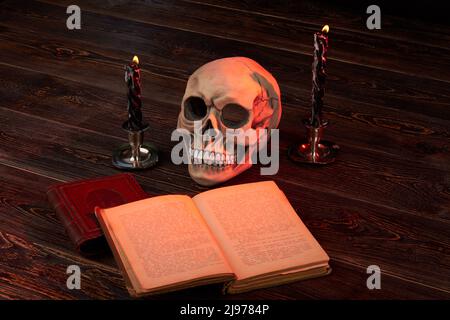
x=319, y=74
x=133, y=80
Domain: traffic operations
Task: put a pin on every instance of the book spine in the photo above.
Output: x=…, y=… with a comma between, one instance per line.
x=63, y=213
x=128, y=283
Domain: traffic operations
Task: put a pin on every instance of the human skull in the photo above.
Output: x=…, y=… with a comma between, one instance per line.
x=227, y=94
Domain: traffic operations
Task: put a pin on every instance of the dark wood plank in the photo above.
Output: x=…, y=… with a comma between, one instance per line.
x=175, y=53
x=79, y=64
x=418, y=138
x=51, y=98
x=33, y=271
x=41, y=153
x=385, y=202
x=31, y=221
x=24, y=193
x=290, y=35
x=400, y=20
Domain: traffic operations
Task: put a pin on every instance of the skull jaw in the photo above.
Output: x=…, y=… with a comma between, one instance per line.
x=208, y=176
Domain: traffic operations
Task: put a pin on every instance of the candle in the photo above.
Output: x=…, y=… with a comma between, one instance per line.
x=133, y=80
x=318, y=74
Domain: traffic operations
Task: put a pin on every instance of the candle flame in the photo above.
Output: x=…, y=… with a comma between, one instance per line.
x=325, y=29
x=135, y=60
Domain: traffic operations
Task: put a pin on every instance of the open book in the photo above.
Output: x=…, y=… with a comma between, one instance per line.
x=247, y=236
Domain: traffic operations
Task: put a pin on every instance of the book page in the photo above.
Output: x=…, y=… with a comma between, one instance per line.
x=258, y=229
x=165, y=241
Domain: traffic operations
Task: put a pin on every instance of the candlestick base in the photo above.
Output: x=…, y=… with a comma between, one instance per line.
x=313, y=150
x=136, y=155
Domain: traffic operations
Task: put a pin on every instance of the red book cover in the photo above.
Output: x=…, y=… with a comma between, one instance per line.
x=74, y=203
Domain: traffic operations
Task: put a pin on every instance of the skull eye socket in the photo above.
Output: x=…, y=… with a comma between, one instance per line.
x=234, y=115
x=195, y=108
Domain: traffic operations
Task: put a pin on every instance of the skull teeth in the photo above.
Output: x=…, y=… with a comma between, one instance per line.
x=212, y=158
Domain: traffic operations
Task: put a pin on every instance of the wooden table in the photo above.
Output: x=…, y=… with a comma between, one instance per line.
x=385, y=202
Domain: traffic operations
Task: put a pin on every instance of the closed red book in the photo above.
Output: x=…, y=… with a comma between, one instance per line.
x=74, y=203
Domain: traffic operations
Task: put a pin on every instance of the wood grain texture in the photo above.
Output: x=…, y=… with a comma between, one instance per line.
x=21, y=259
x=276, y=32
x=385, y=202
x=44, y=101
x=391, y=234
x=173, y=53
x=411, y=27
x=78, y=64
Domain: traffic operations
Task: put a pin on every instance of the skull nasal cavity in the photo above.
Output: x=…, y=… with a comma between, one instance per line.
x=195, y=108
x=208, y=125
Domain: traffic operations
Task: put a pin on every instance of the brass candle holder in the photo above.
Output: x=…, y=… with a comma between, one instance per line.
x=135, y=155
x=313, y=149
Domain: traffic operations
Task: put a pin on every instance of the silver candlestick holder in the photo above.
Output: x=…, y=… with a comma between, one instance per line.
x=313, y=149
x=136, y=155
